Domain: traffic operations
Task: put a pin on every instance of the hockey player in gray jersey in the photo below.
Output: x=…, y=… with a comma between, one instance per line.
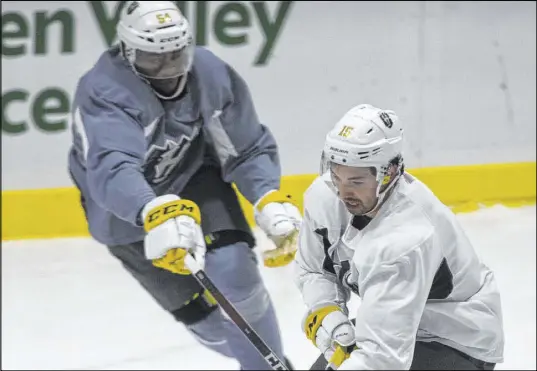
x=370, y=228
x=161, y=131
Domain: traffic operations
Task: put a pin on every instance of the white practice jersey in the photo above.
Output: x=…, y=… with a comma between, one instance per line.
x=416, y=272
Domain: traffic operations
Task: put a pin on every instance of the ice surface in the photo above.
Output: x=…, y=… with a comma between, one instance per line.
x=68, y=304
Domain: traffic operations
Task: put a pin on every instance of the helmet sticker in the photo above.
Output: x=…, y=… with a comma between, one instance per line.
x=163, y=18
x=386, y=119
x=345, y=131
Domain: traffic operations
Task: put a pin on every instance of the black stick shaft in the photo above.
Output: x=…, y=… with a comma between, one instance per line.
x=271, y=358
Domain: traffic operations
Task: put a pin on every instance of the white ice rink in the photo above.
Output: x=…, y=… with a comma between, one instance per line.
x=67, y=304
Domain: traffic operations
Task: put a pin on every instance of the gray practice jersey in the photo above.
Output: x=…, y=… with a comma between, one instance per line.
x=417, y=275
x=129, y=147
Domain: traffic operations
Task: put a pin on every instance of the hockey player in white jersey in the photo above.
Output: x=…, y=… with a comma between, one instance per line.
x=370, y=228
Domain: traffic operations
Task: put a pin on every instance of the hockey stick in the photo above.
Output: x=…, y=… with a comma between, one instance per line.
x=200, y=275
x=322, y=364
x=343, y=351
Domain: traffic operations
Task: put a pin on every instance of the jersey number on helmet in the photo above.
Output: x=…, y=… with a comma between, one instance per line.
x=345, y=131
x=163, y=18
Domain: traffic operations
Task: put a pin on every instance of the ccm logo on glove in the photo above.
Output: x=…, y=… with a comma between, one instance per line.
x=173, y=230
x=170, y=210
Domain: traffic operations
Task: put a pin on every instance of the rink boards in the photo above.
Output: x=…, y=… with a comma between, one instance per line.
x=56, y=212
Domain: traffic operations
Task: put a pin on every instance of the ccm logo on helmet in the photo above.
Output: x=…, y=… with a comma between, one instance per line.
x=167, y=39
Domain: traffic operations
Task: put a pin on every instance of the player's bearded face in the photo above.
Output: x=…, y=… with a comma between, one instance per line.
x=164, y=70
x=357, y=187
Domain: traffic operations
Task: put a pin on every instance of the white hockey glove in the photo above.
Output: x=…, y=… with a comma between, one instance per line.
x=277, y=214
x=331, y=332
x=173, y=230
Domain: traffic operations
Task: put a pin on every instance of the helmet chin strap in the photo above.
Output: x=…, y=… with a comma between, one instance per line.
x=382, y=195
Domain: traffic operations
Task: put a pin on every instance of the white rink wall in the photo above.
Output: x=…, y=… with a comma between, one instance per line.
x=462, y=75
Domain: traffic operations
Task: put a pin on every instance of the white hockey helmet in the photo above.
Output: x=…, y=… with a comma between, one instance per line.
x=365, y=136
x=156, y=39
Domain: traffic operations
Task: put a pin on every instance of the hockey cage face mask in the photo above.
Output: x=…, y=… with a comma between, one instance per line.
x=167, y=65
